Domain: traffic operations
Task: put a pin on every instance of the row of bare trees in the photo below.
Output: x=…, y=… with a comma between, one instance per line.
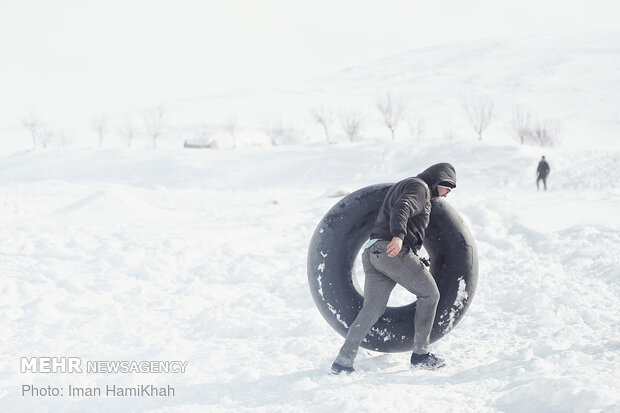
x=153, y=124
x=541, y=132
x=391, y=108
x=480, y=112
x=42, y=134
x=351, y=121
x=39, y=131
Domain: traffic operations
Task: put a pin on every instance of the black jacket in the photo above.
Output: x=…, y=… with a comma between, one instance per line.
x=543, y=169
x=405, y=212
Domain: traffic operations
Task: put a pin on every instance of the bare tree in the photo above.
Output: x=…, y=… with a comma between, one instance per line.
x=231, y=127
x=45, y=136
x=279, y=133
x=100, y=125
x=128, y=132
x=64, y=138
x=324, y=117
x=480, y=113
x=521, y=125
x=154, y=122
x=417, y=128
x=33, y=123
x=392, y=110
x=351, y=122
x=545, y=133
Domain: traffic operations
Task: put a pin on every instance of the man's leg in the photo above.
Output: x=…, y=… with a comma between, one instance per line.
x=545, y=182
x=377, y=289
x=407, y=270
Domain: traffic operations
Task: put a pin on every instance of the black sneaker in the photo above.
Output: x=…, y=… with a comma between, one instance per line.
x=338, y=368
x=426, y=361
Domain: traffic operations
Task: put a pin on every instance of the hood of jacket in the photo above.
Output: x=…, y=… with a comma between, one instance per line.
x=438, y=173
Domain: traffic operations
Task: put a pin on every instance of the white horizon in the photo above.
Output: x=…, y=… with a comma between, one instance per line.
x=71, y=59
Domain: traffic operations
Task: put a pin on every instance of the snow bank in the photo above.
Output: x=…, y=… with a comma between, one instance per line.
x=200, y=256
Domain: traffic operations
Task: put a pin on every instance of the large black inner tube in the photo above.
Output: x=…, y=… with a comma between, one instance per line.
x=336, y=243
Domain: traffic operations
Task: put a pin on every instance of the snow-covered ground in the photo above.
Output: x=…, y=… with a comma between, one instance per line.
x=200, y=256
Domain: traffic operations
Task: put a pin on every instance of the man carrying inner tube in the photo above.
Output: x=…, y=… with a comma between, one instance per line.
x=390, y=258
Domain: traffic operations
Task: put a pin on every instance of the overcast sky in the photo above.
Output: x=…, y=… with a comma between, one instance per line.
x=69, y=55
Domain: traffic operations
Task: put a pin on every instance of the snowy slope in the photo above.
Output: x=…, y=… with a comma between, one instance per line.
x=571, y=81
x=200, y=256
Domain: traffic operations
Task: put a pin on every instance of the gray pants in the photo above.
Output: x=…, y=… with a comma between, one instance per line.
x=541, y=178
x=382, y=274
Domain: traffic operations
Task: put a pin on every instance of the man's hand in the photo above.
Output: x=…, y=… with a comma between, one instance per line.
x=394, y=247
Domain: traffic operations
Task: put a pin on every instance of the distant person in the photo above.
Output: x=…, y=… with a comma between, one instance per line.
x=390, y=257
x=542, y=172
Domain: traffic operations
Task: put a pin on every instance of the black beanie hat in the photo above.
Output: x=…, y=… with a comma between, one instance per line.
x=448, y=184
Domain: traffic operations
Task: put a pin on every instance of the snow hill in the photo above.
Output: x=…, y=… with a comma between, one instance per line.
x=175, y=254
x=569, y=80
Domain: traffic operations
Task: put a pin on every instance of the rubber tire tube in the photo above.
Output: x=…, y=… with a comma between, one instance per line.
x=336, y=243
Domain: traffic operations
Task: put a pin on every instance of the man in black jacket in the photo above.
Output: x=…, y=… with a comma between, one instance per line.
x=542, y=172
x=390, y=258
